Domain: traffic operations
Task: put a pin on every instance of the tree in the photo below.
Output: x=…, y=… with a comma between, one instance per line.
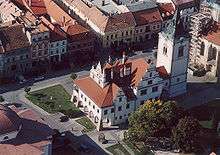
x=153, y=119
x=186, y=134
x=73, y=76
x=2, y=99
x=27, y=89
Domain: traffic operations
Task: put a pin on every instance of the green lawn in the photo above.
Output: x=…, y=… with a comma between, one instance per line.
x=114, y=149
x=54, y=99
x=89, y=126
x=137, y=151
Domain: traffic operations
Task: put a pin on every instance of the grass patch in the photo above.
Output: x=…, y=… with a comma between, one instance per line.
x=206, y=124
x=114, y=149
x=54, y=99
x=138, y=151
x=87, y=123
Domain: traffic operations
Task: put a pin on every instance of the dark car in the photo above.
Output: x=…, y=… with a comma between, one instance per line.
x=64, y=118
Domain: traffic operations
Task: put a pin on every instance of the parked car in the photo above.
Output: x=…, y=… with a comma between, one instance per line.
x=39, y=78
x=64, y=118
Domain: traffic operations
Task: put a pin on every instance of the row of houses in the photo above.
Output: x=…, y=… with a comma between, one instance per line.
x=122, y=22
x=33, y=39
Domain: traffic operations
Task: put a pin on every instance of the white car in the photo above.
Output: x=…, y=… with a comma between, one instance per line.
x=39, y=78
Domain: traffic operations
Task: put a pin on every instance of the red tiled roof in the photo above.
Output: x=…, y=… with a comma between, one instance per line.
x=104, y=97
x=37, y=7
x=147, y=16
x=214, y=35
x=166, y=9
x=162, y=72
x=9, y=120
x=23, y=149
x=58, y=14
x=10, y=38
x=56, y=33
x=120, y=21
x=75, y=29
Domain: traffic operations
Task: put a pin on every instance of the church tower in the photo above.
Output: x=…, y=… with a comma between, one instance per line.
x=173, y=53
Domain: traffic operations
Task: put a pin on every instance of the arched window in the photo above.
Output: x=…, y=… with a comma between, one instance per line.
x=165, y=50
x=202, y=48
x=214, y=52
x=210, y=53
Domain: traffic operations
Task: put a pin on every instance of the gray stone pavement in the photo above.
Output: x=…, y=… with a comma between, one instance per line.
x=200, y=90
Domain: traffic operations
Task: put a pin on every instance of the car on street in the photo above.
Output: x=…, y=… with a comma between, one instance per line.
x=39, y=78
x=64, y=118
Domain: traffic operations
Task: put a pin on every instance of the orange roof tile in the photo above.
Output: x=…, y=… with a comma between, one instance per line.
x=162, y=72
x=147, y=16
x=104, y=97
x=214, y=35
x=58, y=14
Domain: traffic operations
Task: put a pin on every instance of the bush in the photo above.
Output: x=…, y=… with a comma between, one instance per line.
x=2, y=99
x=73, y=76
x=27, y=89
x=186, y=134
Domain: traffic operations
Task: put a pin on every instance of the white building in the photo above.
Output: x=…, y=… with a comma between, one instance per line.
x=209, y=55
x=116, y=89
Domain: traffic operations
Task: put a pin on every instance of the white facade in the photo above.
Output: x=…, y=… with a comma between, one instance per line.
x=209, y=57
x=173, y=55
x=150, y=86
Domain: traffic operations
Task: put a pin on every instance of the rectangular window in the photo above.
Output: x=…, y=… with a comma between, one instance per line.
x=128, y=106
x=112, y=110
x=107, y=37
x=120, y=99
x=180, y=53
x=150, y=82
x=147, y=28
x=97, y=110
x=120, y=117
x=155, y=89
x=111, y=36
x=105, y=112
x=119, y=108
x=93, y=107
x=144, y=92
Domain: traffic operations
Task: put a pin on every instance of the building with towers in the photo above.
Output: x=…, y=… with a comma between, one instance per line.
x=115, y=89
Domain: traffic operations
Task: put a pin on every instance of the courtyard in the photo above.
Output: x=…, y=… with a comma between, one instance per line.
x=54, y=99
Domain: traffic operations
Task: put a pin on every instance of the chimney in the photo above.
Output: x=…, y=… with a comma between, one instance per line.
x=103, y=2
x=1, y=46
x=109, y=59
x=124, y=58
x=29, y=2
x=63, y=20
